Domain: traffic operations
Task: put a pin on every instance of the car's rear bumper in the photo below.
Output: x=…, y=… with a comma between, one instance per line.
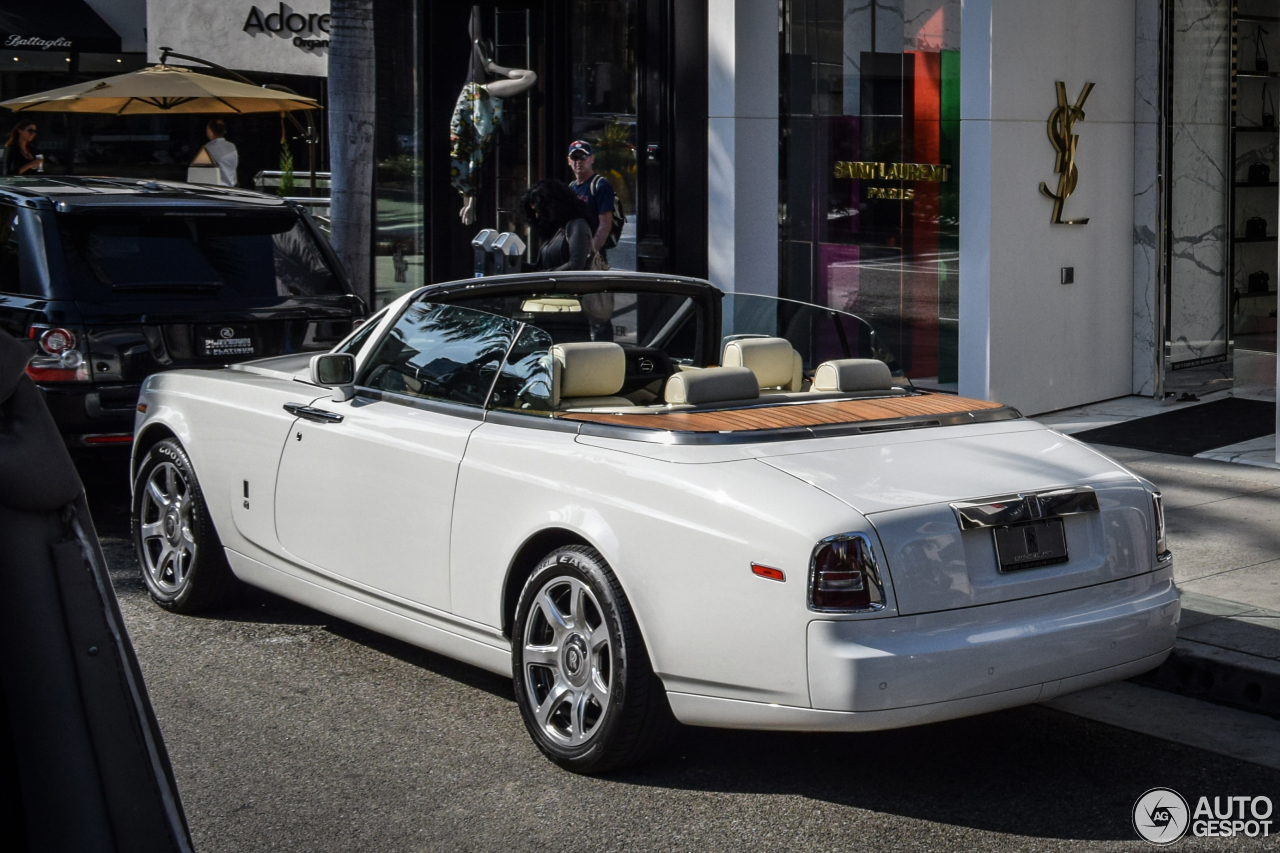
x=737, y=714
x=898, y=671
x=92, y=416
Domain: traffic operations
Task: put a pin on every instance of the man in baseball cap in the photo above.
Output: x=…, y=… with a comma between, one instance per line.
x=594, y=189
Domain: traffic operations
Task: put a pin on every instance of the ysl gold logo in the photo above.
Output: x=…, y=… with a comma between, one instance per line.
x=1061, y=121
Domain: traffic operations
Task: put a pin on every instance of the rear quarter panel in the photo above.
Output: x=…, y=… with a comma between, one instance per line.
x=680, y=538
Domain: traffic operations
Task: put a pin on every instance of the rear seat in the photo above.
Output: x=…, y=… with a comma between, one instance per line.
x=712, y=385
x=852, y=374
x=778, y=367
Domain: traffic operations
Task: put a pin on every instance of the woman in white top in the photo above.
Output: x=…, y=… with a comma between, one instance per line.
x=223, y=153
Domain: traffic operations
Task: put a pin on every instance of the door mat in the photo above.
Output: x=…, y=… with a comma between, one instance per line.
x=1195, y=429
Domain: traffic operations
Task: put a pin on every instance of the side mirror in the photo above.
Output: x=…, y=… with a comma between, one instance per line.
x=337, y=371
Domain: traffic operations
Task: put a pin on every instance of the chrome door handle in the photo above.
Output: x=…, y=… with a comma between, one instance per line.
x=310, y=413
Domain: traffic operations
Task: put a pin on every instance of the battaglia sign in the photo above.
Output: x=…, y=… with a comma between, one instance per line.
x=310, y=31
x=866, y=171
x=18, y=41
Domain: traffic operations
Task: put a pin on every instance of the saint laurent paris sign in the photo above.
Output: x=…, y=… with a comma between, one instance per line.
x=1061, y=122
x=860, y=171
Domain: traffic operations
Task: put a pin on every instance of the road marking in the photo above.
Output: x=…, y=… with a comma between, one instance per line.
x=1168, y=716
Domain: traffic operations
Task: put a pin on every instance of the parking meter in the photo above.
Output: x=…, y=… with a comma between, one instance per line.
x=508, y=253
x=482, y=244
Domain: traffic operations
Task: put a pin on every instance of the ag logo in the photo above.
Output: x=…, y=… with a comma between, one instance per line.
x=227, y=332
x=1160, y=816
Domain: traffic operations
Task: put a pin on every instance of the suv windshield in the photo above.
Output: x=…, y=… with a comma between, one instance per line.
x=227, y=255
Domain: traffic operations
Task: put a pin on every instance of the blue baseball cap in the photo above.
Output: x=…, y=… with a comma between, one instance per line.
x=581, y=145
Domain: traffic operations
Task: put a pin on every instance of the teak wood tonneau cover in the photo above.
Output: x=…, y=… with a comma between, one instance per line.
x=791, y=414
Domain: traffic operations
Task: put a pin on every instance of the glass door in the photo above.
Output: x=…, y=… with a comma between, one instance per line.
x=1255, y=204
x=1197, y=234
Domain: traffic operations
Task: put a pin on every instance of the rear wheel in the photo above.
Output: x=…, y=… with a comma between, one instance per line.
x=582, y=676
x=178, y=550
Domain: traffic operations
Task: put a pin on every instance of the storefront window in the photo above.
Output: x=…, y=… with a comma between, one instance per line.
x=602, y=41
x=869, y=183
x=398, y=215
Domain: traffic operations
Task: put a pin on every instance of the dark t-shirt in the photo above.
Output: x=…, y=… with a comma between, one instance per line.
x=14, y=159
x=569, y=249
x=605, y=195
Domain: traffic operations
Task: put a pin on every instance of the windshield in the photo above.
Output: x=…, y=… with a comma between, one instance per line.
x=819, y=334
x=259, y=255
x=664, y=321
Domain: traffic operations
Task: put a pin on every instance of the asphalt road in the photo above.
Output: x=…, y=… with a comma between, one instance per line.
x=291, y=730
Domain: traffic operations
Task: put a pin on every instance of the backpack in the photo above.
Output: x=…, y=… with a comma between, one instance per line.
x=619, y=218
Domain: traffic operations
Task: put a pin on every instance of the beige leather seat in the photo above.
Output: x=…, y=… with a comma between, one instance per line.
x=712, y=385
x=587, y=375
x=778, y=367
x=852, y=374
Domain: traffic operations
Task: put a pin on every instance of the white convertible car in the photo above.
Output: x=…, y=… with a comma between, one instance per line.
x=640, y=497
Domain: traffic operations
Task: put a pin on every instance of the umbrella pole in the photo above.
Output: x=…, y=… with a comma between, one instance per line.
x=311, y=152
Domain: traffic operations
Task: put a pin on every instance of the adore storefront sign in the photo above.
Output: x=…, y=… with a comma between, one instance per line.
x=278, y=38
x=309, y=31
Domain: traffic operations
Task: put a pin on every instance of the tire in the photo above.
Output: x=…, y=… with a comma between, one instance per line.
x=182, y=561
x=586, y=690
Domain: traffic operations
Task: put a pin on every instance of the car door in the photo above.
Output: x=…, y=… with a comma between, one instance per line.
x=365, y=487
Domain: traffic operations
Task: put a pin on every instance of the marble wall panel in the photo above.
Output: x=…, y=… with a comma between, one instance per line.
x=1146, y=192
x=1198, y=175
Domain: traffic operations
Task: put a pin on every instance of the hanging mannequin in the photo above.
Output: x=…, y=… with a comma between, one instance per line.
x=477, y=115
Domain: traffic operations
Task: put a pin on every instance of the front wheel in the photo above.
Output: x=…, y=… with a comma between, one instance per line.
x=582, y=676
x=182, y=560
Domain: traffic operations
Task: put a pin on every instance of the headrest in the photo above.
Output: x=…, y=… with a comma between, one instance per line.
x=852, y=374
x=712, y=385
x=772, y=360
x=587, y=370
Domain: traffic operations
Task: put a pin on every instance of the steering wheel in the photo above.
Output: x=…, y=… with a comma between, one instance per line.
x=645, y=365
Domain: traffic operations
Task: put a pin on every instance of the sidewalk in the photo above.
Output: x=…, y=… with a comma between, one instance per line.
x=1223, y=522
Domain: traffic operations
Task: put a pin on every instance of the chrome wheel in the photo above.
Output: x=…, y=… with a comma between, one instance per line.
x=169, y=549
x=568, y=661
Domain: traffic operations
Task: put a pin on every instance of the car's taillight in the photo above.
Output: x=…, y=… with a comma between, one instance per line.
x=1163, y=554
x=59, y=355
x=843, y=576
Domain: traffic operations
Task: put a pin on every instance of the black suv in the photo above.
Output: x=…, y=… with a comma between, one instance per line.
x=111, y=280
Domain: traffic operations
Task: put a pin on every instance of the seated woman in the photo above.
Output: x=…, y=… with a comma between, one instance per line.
x=560, y=219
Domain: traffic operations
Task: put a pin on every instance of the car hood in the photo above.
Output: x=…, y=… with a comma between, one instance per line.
x=954, y=467
x=296, y=366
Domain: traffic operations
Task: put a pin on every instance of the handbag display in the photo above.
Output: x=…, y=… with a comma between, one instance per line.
x=1268, y=108
x=1255, y=228
x=1259, y=174
x=1260, y=63
x=1259, y=282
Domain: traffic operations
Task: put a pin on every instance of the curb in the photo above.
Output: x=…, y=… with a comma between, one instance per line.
x=1223, y=676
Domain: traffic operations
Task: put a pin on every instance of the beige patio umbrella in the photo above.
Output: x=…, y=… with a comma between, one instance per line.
x=161, y=89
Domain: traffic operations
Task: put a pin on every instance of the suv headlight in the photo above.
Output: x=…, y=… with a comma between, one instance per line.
x=844, y=577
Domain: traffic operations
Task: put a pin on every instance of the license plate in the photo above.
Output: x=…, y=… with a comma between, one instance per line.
x=1026, y=546
x=221, y=340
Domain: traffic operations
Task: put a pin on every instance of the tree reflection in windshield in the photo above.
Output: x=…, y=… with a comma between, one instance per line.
x=442, y=352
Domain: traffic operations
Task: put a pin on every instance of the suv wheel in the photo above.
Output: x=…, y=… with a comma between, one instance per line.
x=178, y=550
